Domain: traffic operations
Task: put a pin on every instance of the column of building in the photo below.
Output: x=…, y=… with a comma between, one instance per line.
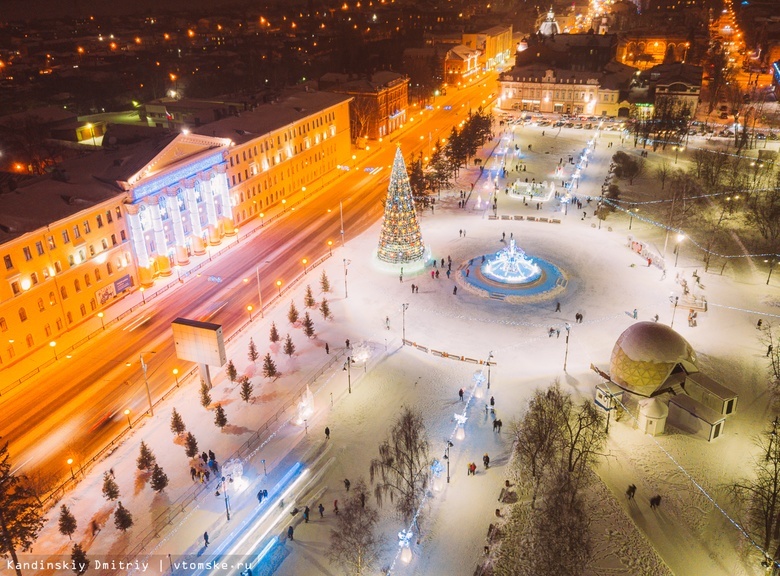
x=198, y=243
x=160, y=242
x=207, y=193
x=182, y=255
x=221, y=184
x=145, y=270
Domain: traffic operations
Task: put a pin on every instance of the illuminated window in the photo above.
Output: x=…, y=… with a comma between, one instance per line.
x=27, y=253
x=52, y=299
x=8, y=262
x=39, y=248
x=22, y=314
x=41, y=306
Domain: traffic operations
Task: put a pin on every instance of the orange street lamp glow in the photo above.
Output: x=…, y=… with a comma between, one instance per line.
x=330, y=247
x=249, y=309
x=127, y=413
x=176, y=375
x=279, y=286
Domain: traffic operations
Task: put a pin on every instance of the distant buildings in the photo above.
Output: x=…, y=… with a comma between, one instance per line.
x=487, y=50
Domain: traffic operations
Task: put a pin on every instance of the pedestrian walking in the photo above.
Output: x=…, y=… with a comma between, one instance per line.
x=448, y=273
x=327, y=348
x=207, y=474
x=206, y=539
x=347, y=484
x=327, y=433
x=460, y=233
x=464, y=232
x=321, y=508
x=460, y=394
x=655, y=501
x=769, y=350
x=212, y=456
x=347, y=342
x=557, y=306
x=499, y=424
x=336, y=506
x=635, y=313
x=557, y=332
x=193, y=473
x=492, y=401
x=205, y=458
x=306, y=514
x=290, y=532
x=759, y=323
x=432, y=274
x=454, y=290
x=437, y=274
x=503, y=237
x=401, y=278
x=387, y=322
x=631, y=491
x=412, y=288
x=486, y=460
x=260, y=496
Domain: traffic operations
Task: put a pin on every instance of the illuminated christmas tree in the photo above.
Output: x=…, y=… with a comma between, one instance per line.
x=400, y=241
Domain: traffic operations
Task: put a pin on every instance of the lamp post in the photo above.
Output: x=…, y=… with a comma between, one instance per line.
x=348, y=368
x=143, y=296
x=631, y=216
x=102, y=322
x=447, y=458
x=264, y=470
x=674, y=300
x=677, y=150
x=304, y=262
x=279, y=286
x=284, y=205
x=146, y=381
x=489, y=364
x=341, y=216
x=227, y=499
x=566, y=354
x=127, y=413
x=249, y=309
x=176, y=376
x=53, y=345
x=680, y=238
x=346, y=292
x=403, y=322
x=92, y=131
x=772, y=263
x=330, y=247
x=772, y=438
x=262, y=218
x=70, y=463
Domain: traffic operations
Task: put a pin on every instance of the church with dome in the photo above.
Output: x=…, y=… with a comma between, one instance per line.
x=654, y=372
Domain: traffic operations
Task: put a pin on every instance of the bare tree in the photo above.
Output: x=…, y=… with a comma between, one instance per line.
x=361, y=112
x=769, y=338
x=402, y=470
x=662, y=172
x=763, y=212
x=354, y=544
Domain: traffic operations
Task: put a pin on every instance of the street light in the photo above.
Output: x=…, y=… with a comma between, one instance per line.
x=102, y=322
x=674, y=300
x=772, y=263
x=447, y=458
x=146, y=381
x=284, y=205
x=680, y=238
x=142, y=294
x=566, y=355
x=92, y=130
x=304, y=262
x=403, y=322
x=53, y=345
x=259, y=294
x=70, y=463
x=330, y=247
x=127, y=413
x=176, y=375
x=348, y=369
x=279, y=286
x=631, y=216
x=227, y=500
x=262, y=218
x=677, y=150
x=489, y=364
x=249, y=309
x=264, y=470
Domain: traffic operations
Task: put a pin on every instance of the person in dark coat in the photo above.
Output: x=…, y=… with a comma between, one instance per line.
x=321, y=508
x=327, y=433
x=290, y=531
x=206, y=538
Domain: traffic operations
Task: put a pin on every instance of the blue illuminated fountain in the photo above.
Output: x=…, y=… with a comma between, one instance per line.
x=511, y=275
x=510, y=265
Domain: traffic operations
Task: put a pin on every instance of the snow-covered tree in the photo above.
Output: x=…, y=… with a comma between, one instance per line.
x=308, y=298
x=190, y=446
x=231, y=371
x=246, y=389
x=220, y=418
x=269, y=367
x=325, y=309
x=67, y=523
x=354, y=544
x=177, y=424
x=252, y=354
x=289, y=347
x=402, y=470
x=205, y=394
x=324, y=282
x=123, y=520
x=146, y=458
x=79, y=560
x=159, y=478
x=292, y=313
x=308, y=325
x=274, y=336
x=110, y=487
x=20, y=515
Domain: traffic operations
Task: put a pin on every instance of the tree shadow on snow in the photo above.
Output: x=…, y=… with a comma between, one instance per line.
x=235, y=430
x=141, y=478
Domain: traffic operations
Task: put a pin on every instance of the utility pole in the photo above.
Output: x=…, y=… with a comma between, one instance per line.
x=146, y=381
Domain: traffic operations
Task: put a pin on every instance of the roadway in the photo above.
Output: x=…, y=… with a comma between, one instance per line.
x=75, y=407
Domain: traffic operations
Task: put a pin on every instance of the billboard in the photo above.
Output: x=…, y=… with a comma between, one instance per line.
x=200, y=342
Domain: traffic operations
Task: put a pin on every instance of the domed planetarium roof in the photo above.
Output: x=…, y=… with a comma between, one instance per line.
x=645, y=355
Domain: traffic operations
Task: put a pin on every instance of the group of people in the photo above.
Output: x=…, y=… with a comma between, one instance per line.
x=202, y=471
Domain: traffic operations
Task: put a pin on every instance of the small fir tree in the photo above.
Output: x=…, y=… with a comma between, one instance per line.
x=274, y=333
x=159, y=479
x=292, y=314
x=308, y=298
x=122, y=518
x=79, y=560
x=325, y=309
x=146, y=459
x=190, y=446
x=246, y=389
x=177, y=424
x=289, y=347
x=110, y=487
x=205, y=395
x=269, y=367
x=67, y=525
x=220, y=419
x=231, y=371
x=324, y=282
x=253, y=354
x=308, y=326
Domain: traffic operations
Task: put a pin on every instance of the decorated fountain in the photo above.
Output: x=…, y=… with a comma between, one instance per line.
x=510, y=274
